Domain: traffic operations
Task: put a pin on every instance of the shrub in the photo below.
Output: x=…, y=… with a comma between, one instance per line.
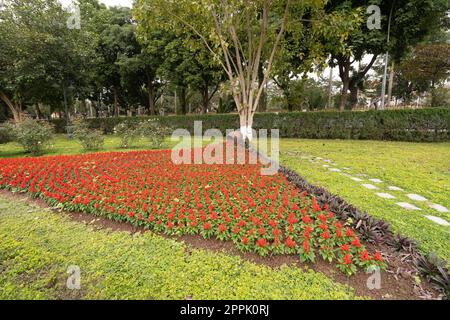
x=5, y=134
x=127, y=132
x=89, y=139
x=395, y=125
x=32, y=135
x=154, y=131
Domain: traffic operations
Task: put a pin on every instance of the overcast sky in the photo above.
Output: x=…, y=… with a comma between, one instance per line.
x=123, y=3
x=110, y=3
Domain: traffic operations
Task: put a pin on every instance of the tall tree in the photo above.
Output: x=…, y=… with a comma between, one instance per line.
x=37, y=52
x=411, y=21
x=239, y=34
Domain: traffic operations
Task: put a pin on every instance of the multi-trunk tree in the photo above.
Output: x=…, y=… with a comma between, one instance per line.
x=240, y=35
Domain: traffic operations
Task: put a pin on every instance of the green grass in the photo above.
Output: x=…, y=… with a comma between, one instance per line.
x=37, y=247
x=419, y=168
x=40, y=245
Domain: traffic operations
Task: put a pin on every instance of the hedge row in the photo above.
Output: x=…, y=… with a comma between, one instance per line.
x=396, y=125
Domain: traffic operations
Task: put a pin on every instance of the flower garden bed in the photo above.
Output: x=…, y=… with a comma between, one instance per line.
x=264, y=214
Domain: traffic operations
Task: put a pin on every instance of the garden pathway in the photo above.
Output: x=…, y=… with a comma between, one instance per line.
x=376, y=185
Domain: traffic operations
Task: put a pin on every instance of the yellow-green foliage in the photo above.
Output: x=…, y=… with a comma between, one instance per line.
x=37, y=246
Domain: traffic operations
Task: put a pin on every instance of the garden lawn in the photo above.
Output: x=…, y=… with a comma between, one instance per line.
x=418, y=168
x=37, y=247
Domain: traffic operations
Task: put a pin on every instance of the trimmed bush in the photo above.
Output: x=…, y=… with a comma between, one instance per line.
x=32, y=135
x=89, y=139
x=395, y=125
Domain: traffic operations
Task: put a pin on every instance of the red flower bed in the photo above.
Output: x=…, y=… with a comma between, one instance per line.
x=265, y=214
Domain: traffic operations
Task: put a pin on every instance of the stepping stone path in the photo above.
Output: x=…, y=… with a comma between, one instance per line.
x=392, y=188
x=370, y=186
x=385, y=195
x=440, y=221
x=408, y=206
x=439, y=208
x=333, y=167
x=416, y=197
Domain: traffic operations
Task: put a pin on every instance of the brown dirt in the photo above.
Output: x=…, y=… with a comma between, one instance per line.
x=398, y=282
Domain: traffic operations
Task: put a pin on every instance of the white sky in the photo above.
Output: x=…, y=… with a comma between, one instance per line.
x=112, y=3
x=109, y=3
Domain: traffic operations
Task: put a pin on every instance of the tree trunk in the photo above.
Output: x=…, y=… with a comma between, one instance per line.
x=116, y=103
x=354, y=90
x=37, y=111
x=391, y=85
x=344, y=73
x=205, y=99
x=330, y=89
x=13, y=107
x=183, y=100
x=344, y=94
x=263, y=102
x=151, y=96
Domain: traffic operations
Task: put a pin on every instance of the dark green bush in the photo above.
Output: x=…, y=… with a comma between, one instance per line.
x=396, y=125
x=32, y=135
x=90, y=139
x=5, y=134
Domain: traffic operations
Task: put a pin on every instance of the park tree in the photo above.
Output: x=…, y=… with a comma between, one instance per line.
x=38, y=52
x=411, y=22
x=430, y=64
x=240, y=35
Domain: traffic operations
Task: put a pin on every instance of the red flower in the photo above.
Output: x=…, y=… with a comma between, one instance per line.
x=289, y=242
x=261, y=243
x=365, y=256
x=326, y=235
x=356, y=243
x=349, y=232
x=306, y=219
x=245, y=240
x=207, y=226
x=306, y=245
x=222, y=228
x=378, y=256
x=348, y=259
x=345, y=248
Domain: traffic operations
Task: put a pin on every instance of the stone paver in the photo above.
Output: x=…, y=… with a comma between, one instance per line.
x=408, y=206
x=334, y=169
x=385, y=195
x=376, y=180
x=393, y=188
x=370, y=186
x=439, y=208
x=438, y=220
x=356, y=179
x=416, y=197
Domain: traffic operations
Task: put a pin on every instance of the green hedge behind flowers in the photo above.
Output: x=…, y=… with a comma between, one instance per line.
x=394, y=125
